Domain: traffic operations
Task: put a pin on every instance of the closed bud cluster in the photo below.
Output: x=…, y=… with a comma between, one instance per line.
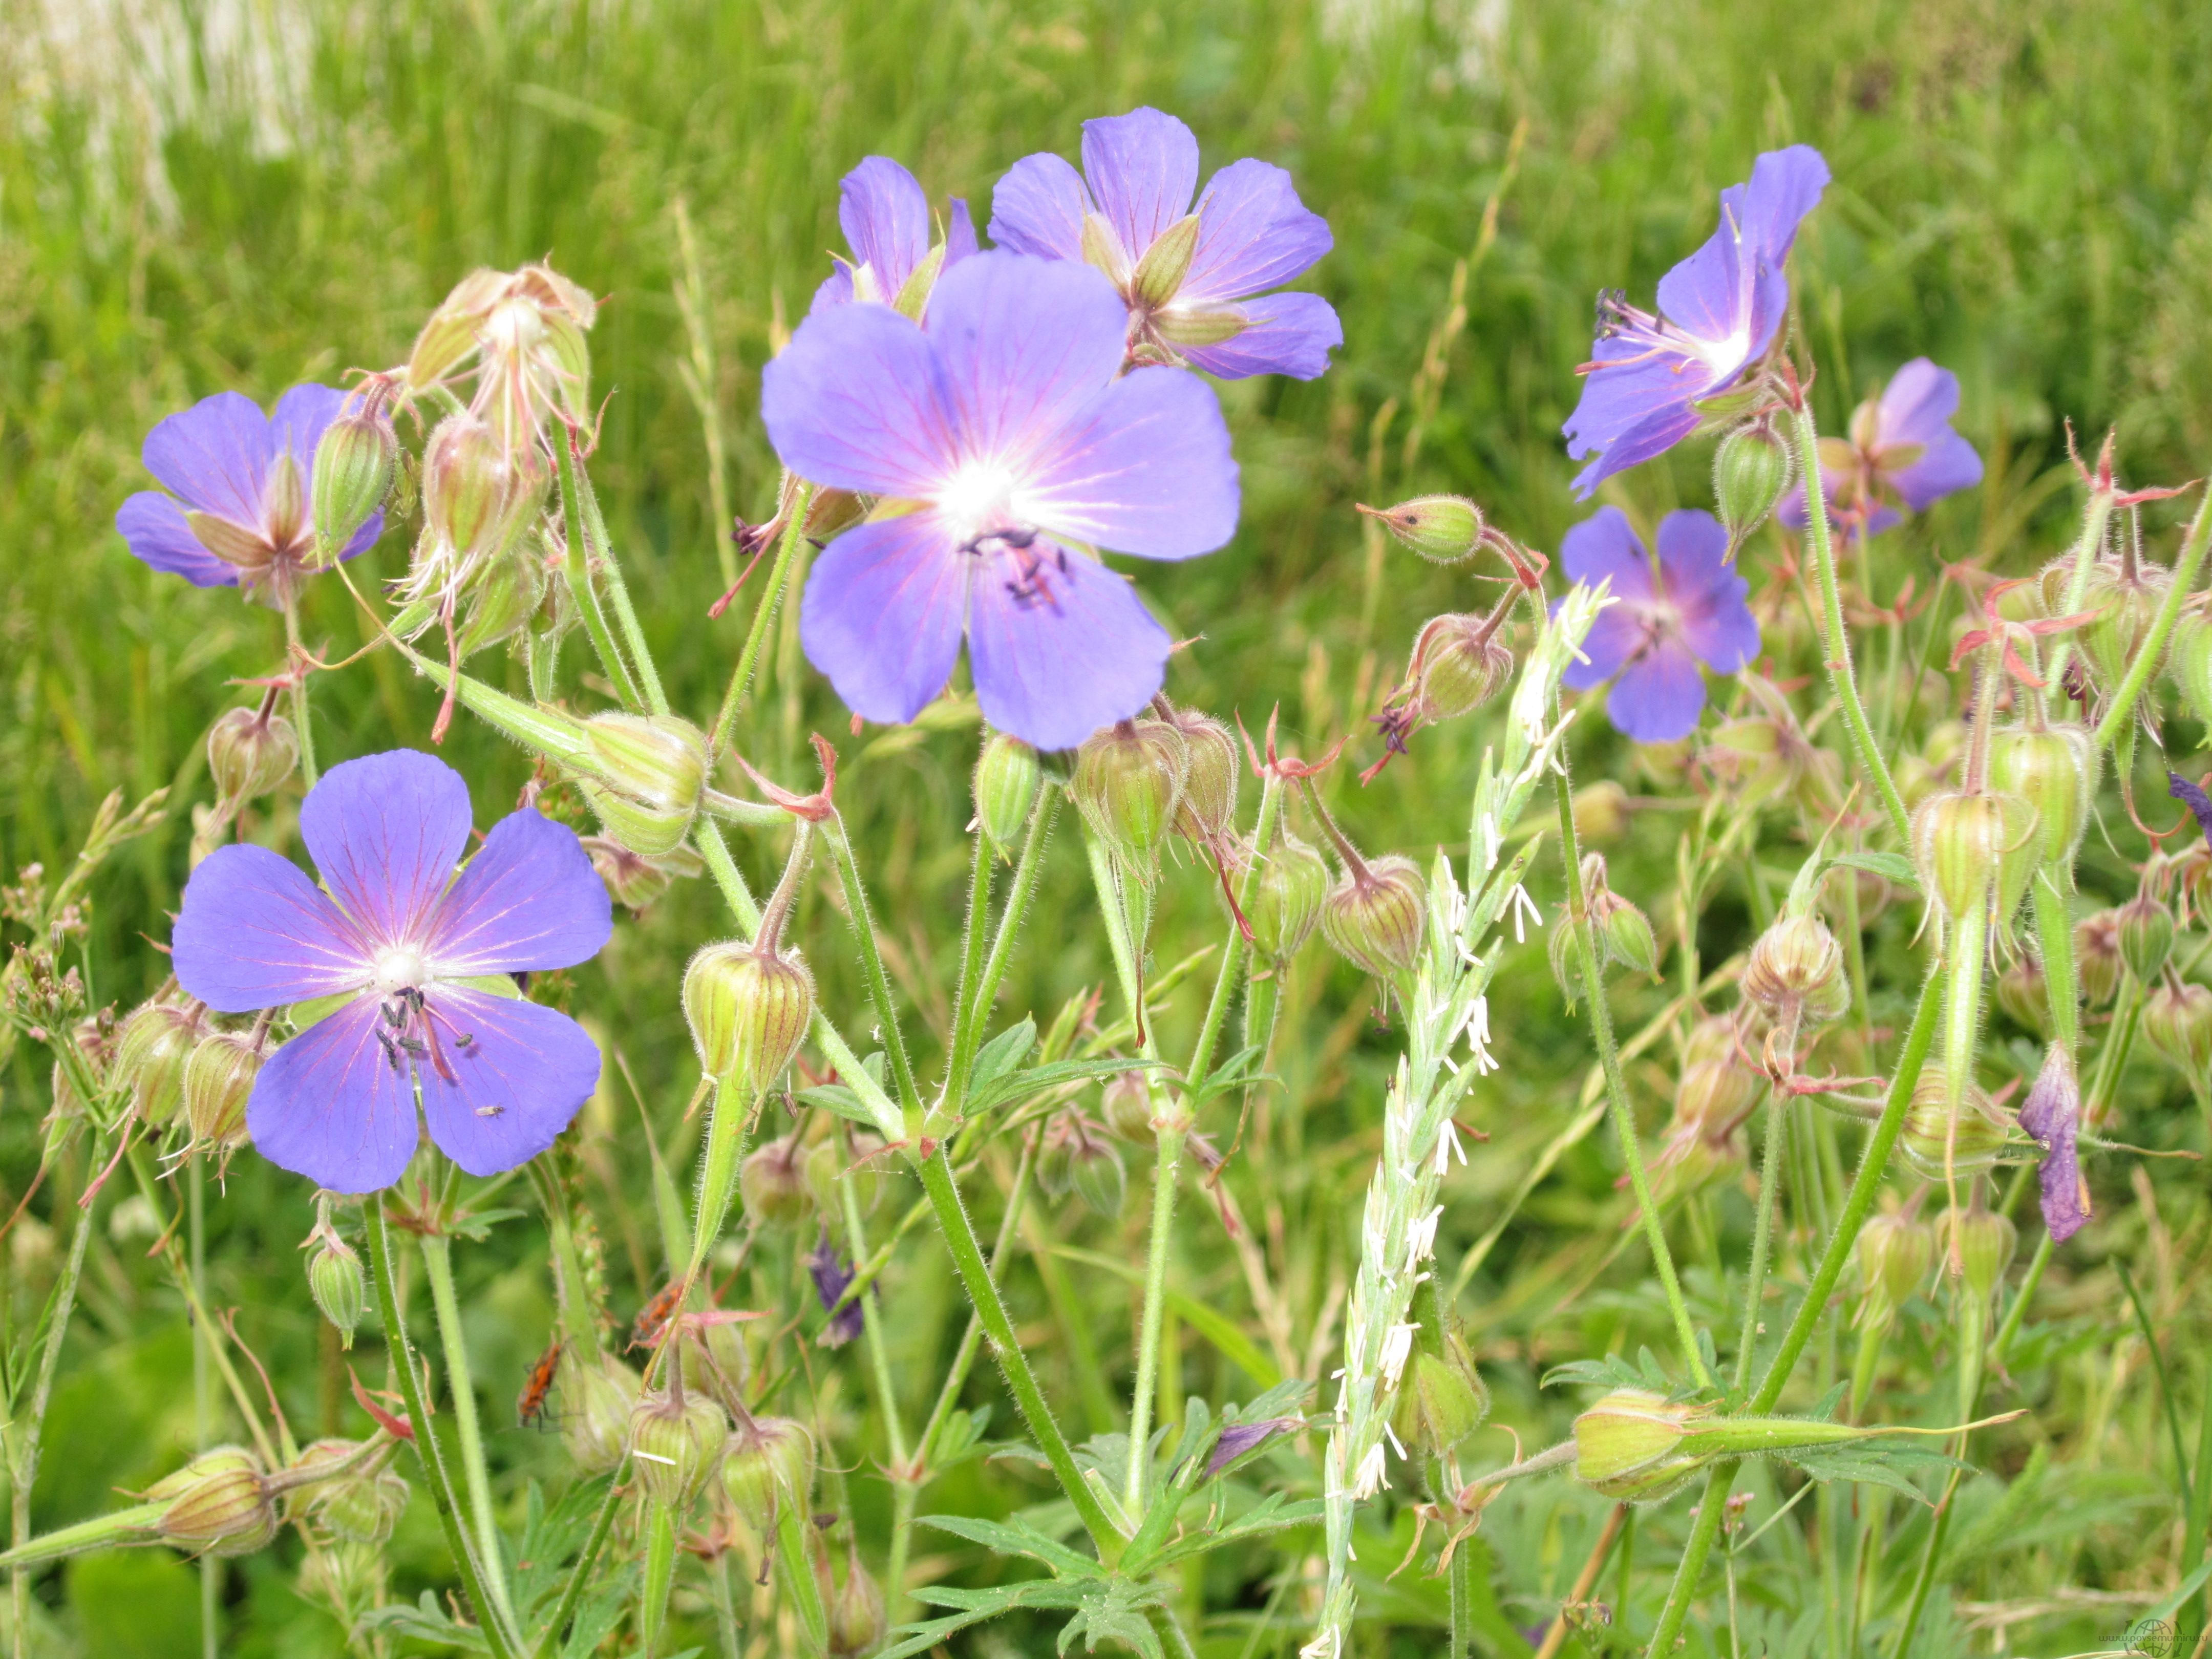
x=2025, y=994
x=2097, y=956
x=251, y=751
x=1441, y=1399
x=2177, y=1018
x=1445, y=528
x=676, y=1439
x=1007, y=778
x=1751, y=469
x=1077, y=1157
x=1620, y=933
x=2054, y=769
x=2146, y=936
x=649, y=770
x=150, y=1055
x=772, y=1181
x=749, y=1010
x=218, y=1504
x=335, y=1281
x=1376, y=914
x=356, y=460
x=1896, y=1250
x=596, y=1398
x=1128, y=783
x=1928, y=1142
x=1630, y=1446
x=361, y=1505
x=1981, y=1244
x=1976, y=851
x=1207, y=809
x=1796, y=972
x=768, y=1462
x=1286, y=902
x=218, y=1081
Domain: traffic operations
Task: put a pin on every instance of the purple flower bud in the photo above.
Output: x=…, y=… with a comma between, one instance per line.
x=1241, y=1439
x=831, y=1274
x=2052, y=1115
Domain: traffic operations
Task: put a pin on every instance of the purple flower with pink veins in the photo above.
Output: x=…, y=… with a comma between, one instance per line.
x=401, y=973
x=1196, y=280
x=1719, y=310
x=1663, y=621
x=1901, y=449
x=1004, y=447
x=239, y=510
x=884, y=215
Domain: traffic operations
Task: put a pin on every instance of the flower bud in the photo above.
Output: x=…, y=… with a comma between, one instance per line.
x=1125, y=1105
x=1375, y=915
x=650, y=771
x=716, y=1364
x=1629, y=1446
x=218, y=1505
x=506, y=599
x=768, y=1462
x=2146, y=937
x=1895, y=1252
x=2177, y=1018
x=2055, y=770
x=1441, y=1399
x=749, y=1010
x=633, y=881
x=1207, y=809
x=1007, y=777
x=475, y=492
x=218, y=1081
x=1628, y=937
x=2097, y=956
x=675, y=1440
x=1459, y=664
x=250, y=753
x=1286, y=904
x=1445, y=528
x=1926, y=1140
x=1795, y=970
x=595, y=1412
x=2189, y=659
x=1983, y=1243
x=1601, y=813
x=1976, y=851
x=1711, y=1095
x=335, y=1280
x=356, y=463
x=1751, y=469
x=2025, y=994
x=1128, y=782
x=772, y=1181
x=359, y=1504
x=2125, y=602
x=1076, y=1158
x=150, y=1054
x=855, y=1611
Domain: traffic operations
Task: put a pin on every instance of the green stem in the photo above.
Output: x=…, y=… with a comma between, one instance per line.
x=2151, y=651
x=595, y=526
x=905, y=1475
x=438, y=1258
x=726, y=1610
x=203, y=1396
x=302, y=726
x=579, y=1576
x=1609, y=1053
x=795, y=1568
x=24, y=1434
x=659, y=1574
x=1167, y=1154
x=1712, y=1509
x=741, y=677
x=967, y=1029
x=578, y=570
x=971, y=1340
x=102, y=1532
x=1027, y=868
x=2054, y=929
x=871, y=965
x=1962, y=1027
x=496, y=1637
x=1762, y=1235
x=2094, y=518
x=1836, y=656
x=2018, y=1311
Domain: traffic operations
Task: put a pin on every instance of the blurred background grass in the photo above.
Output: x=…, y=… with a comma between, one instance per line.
x=202, y=194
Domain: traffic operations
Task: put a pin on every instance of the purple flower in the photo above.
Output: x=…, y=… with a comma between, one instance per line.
x=1719, y=310
x=2052, y=1115
x=832, y=1274
x=418, y=964
x=1901, y=448
x=885, y=218
x=1661, y=624
x=238, y=511
x=1003, y=449
x=1197, y=299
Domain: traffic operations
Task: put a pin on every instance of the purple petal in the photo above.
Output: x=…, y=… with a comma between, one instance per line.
x=301, y=416
x=885, y=218
x=1239, y=1438
x=854, y=402
x=959, y=232
x=1733, y=288
x=836, y=288
x=152, y=525
x=1022, y=346
x=1917, y=404
x=2051, y=1113
x=1142, y=168
x=831, y=1274
x=254, y=933
x=1659, y=698
x=332, y=1106
x=1949, y=464
x=1707, y=591
x=215, y=456
x=1145, y=469
x=385, y=832
x=1634, y=405
x=1038, y=206
x=1253, y=234
x=520, y=1079
x=1288, y=334
x=882, y=614
x=1059, y=658
x=1604, y=548
x=528, y=899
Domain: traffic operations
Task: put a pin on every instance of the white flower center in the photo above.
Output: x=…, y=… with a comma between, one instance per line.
x=978, y=499
x=400, y=968
x=1725, y=355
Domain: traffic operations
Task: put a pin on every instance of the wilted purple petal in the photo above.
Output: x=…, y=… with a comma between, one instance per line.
x=385, y=832
x=254, y=933
x=883, y=613
x=519, y=1079
x=854, y=402
x=1142, y=168
x=2052, y=1115
x=1021, y=348
x=832, y=1274
x=333, y=1105
x=1145, y=469
x=2196, y=799
x=1658, y=696
x=152, y=527
x=1037, y=208
x=214, y=456
x=528, y=899
x=1065, y=654
x=1239, y=1438
x=1288, y=334
x=1253, y=234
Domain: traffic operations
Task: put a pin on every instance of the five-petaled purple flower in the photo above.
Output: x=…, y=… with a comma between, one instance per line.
x=1901, y=447
x=1193, y=280
x=1719, y=310
x=419, y=964
x=1661, y=624
x=884, y=215
x=240, y=510
x=1003, y=449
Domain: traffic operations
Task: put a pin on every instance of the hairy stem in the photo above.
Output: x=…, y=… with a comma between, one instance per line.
x=578, y=570
x=741, y=677
x=2151, y=651
x=438, y=1258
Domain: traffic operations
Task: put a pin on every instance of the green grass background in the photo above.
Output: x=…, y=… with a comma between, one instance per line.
x=195, y=197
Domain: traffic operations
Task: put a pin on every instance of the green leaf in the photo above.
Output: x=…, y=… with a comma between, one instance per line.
x=1017, y=1537
x=1274, y=1513
x=1871, y=1462
x=974, y=1607
x=423, y=1621
x=1614, y=1371
x=1891, y=867
x=1020, y=1085
x=1114, y=1611
x=1001, y=1054
x=836, y=1097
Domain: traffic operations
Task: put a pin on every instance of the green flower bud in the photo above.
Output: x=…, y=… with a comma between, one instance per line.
x=1630, y=1446
x=2177, y=1018
x=1600, y=812
x=595, y=1411
x=335, y=1280
x=1459, y=664
x=218, y=1081
x=772, y=1181
x=1128, y=782
x=218, y=1505
x=1077, y=1157
x=1976, y=851
x=2025, y=994
x=2054, y=769
x=476, y=495
x=150, y=1054
x=1752, y=467
x=2097, y=956
x=250, y=753
x=749, y=1010
x=1125, y=1105
x=360, y=1505
x=1207, y=809
x=716, y=1364
x=1375, y=915
x=355, y=465
x=1713, y=1094
x=1895, y=1252
x=1628, y=937
x=1287, y=903
x=1927, y=1139
x=2146, y=937
x=675, y=1442
x=1445, y=528
x=1983, y=1243
x=1441, y=1400
x=2125, y=602
x=1796, y=972
x=1007, y=778
x=768, y=1462
x=506, y=599
x=650, y=771
x=634, y=881
x=855, y=1611
x=2189, y=660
